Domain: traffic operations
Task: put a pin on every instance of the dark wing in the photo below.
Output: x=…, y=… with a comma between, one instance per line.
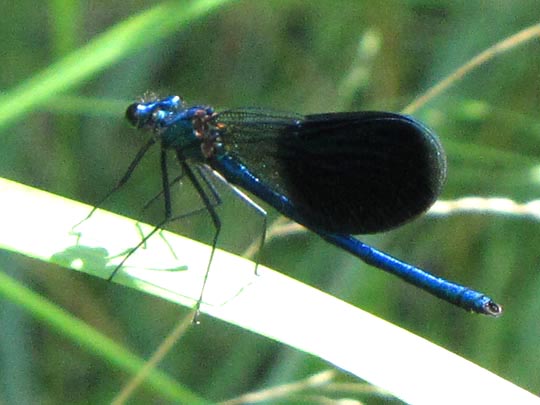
x=351, y=173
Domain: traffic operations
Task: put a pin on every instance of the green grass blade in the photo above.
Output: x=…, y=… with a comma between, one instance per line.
x=270, y=304
x=91, y=340
x=126, y=37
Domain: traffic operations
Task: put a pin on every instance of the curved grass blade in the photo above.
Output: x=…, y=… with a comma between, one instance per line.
x=270, y=304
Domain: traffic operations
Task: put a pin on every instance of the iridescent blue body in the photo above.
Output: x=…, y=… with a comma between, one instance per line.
x=337, y=174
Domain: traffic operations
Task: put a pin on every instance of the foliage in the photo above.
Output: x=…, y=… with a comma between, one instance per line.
x=67, y=136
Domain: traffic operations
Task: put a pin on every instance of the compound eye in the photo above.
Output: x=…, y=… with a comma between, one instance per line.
x=134, y=116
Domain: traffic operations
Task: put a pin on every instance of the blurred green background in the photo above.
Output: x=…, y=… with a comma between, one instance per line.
x=301, y=56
